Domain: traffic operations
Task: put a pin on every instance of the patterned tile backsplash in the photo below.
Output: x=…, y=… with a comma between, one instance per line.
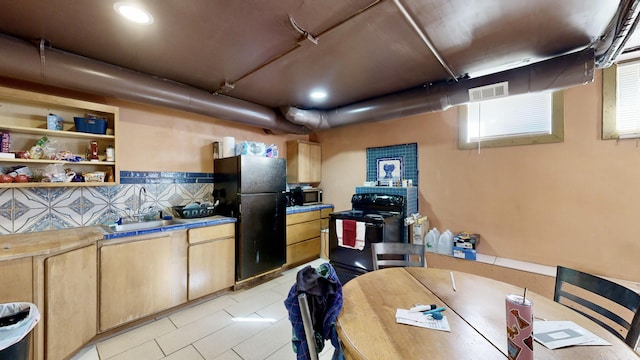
x=38, y=209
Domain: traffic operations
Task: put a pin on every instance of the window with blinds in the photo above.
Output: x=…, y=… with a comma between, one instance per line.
x=621, y=101
x=514, y=120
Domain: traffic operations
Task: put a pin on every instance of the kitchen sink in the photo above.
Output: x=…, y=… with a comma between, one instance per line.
x=152, y=224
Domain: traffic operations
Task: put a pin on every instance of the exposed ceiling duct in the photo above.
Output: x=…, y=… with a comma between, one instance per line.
x=556, y=73
x=61, y=69
x=619, y=31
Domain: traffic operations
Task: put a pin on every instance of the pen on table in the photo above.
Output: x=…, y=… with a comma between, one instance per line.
x=434, y=310
x=421, y=308
x=453, y=282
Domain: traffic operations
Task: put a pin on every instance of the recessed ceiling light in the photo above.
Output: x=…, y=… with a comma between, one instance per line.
x=318, y=95
x=133, y=12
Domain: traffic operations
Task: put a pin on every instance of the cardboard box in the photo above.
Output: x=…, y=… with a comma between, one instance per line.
x=5, y=142
x=466, y=240
x=464, y=253
x=418, y=230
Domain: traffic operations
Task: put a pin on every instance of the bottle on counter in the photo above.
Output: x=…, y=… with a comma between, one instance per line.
x=110, y=153
x=431, y=240
x=445, y=243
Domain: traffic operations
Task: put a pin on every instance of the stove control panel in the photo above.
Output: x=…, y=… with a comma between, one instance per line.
x=378, y=199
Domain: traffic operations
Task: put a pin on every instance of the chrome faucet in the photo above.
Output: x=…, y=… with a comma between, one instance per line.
x=139, y=214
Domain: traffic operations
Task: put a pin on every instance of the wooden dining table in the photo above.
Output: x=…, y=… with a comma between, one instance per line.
x=475, y=311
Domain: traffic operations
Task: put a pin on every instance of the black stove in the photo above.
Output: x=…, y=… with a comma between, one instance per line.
x=382, y=217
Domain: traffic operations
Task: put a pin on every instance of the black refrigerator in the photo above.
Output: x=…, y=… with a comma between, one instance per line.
x=252, y=189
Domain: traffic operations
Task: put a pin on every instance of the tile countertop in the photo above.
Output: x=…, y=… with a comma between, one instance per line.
x=200, y=222
x=304, y=208
x=185, y=224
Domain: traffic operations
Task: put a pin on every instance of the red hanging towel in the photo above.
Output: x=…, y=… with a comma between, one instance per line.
x=349, y=232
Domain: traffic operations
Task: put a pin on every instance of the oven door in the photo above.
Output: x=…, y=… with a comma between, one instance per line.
x=358, y=260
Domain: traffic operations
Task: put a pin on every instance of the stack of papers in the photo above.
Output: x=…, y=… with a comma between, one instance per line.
x=557, y=334
x=403, y=316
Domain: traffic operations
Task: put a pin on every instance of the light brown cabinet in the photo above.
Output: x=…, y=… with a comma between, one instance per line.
x=23, y=115
x=70, y=310
x=211, y=264
x=85, y=286
x=303, y=237
x=304, y=162
x=141, y=275
x=16, y=280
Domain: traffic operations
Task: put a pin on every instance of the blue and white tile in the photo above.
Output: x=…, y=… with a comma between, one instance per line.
x=93, y=213
x=164, y=195
x=6, y=211
x=104, y=193
x=64, y=197
x=195, y=192
x=64, y=217
x=125, y=201
x=28, y=209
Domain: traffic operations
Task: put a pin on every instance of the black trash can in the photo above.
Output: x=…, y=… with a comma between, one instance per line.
x=17, y=321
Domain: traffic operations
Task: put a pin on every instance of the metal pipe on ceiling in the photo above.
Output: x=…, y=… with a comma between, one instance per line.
x=49, y=66
x=425, y=39
x=557, y=73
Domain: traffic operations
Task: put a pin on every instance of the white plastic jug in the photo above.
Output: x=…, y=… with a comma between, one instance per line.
x=431, y=241
x=445, y=243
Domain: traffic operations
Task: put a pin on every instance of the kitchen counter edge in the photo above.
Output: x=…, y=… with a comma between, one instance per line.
x=304, y=208
x=17, y=246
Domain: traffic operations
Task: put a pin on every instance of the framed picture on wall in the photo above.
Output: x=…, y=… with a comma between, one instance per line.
x=389, y=169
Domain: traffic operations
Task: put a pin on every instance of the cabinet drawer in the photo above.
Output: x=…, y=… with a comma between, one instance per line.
x=303, y=231
x=211, y=267
x=303, y=251
x=211, y=232
x=302, y=217
x=324, y=213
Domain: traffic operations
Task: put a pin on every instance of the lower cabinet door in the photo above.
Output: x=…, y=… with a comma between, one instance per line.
x=139, y=278
x=16, y=280
x=211, y=267
x=303, y=251
x=71, y=301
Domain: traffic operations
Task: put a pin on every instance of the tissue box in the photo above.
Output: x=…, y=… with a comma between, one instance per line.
x=464, y=253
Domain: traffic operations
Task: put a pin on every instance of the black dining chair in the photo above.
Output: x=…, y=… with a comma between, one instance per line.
x=397, y=255
x=598, y=302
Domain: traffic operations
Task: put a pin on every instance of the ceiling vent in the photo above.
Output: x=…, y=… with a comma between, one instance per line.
x=488, y=92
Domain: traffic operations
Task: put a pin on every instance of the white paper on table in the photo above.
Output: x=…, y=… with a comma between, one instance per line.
x=557, y=334
x=403, y=316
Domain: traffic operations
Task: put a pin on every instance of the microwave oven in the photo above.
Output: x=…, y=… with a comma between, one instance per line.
x=311, y=196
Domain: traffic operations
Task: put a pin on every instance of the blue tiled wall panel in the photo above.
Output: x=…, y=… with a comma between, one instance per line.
x=407, y=152
x=154, y=177
x=37, y=209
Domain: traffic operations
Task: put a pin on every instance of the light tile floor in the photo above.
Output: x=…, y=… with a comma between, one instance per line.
x=208, y=331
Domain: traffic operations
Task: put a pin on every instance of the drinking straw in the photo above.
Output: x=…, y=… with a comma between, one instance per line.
x=524, y=297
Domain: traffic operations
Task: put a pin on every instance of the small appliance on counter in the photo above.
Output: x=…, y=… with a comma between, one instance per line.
x=306, y=196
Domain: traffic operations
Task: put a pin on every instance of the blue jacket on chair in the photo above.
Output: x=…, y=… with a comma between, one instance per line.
x=324, y=295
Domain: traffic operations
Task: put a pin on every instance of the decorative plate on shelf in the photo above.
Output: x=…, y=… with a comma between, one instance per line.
x=389, y=169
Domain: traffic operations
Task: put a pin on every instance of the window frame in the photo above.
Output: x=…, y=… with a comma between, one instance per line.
x=557, y=129
x=610, y=101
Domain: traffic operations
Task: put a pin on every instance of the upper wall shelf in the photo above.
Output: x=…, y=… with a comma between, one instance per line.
x=23, y=115
x=62, y=133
